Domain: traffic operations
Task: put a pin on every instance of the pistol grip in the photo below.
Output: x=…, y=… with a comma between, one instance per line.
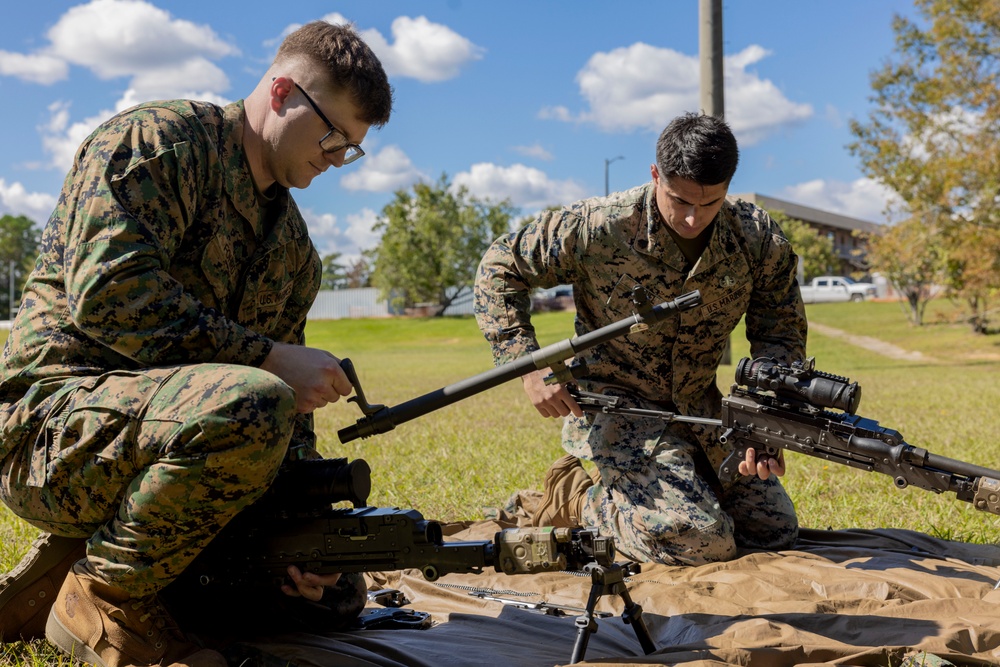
x=729, y=471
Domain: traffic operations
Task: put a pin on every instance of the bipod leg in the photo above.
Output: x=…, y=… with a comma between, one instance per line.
x=633, y=616
x=610, y=581
x=586, y=624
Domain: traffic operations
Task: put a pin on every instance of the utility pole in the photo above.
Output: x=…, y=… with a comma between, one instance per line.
x=607, y=163
x=712, y=97
x=710, y=55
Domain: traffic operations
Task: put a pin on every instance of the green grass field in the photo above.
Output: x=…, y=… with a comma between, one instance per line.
x=452, y=463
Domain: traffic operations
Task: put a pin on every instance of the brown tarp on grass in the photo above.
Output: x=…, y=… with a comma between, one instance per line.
x=854, y=597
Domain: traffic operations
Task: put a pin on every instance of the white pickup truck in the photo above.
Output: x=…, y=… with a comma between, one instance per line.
x=836, y=288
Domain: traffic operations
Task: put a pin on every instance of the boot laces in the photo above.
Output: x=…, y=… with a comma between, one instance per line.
x=160, y=621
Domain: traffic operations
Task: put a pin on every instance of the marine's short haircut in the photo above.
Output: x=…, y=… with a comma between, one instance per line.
x=698, y=147
x=350, y=65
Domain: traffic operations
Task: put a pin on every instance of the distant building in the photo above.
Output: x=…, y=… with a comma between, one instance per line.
x=849, y=248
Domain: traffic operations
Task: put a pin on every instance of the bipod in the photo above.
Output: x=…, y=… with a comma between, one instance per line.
x=610, y=580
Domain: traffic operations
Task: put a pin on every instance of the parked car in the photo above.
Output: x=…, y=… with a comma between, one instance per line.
x=555, y=298
x=836, y=288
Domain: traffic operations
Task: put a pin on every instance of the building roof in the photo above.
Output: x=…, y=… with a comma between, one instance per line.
x=807, y=213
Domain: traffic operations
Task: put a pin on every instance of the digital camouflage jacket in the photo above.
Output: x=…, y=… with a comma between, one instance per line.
x=604, y=247
x=161, y=251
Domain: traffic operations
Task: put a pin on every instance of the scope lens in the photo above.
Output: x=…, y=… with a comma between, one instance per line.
x=820, y=390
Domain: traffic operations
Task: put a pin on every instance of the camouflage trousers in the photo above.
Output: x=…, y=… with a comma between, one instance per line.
x=661, y=504
x=149, y=465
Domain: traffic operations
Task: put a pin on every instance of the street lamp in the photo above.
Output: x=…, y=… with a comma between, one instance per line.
x=607, y=163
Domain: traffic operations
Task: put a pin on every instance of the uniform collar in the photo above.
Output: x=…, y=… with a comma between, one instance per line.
x=242, y=190
x=654, y=238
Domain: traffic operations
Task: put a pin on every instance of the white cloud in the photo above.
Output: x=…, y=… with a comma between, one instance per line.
x=526, y=187
x=422, y=50
x=329, y=236
x=15, y=200
x=386, y=171
x=37, y=68
x=323, y=230
x=61, y=138
x=359, y=230
x=642, y=87
x=119, y=38
x=166, y=80
x=754, y=106
x=863, y=198
x=162, y=56
x=536, y=151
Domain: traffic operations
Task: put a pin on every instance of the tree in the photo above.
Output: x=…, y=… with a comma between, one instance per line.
x=934, y=137
x=432, y=241
x=910, y=255
x=334, y=273
x=814, y=250
x=19, y=238
x=972, y=271
x=358, y=273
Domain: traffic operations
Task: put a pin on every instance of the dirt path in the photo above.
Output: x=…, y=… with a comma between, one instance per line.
x=872, y=344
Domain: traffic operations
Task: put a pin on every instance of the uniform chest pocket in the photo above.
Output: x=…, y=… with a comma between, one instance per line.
x=220, y=270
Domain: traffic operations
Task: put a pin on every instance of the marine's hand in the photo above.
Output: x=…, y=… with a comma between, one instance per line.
x=551, y=400
x=315, y=375
x=308, y=585
x=762, y=465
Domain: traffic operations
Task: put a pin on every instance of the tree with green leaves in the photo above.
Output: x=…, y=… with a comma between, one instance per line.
x=911, y=255
x=432, y=240
x=19, y=238
x=934, y=139
x=334, y=273
x=815, y=251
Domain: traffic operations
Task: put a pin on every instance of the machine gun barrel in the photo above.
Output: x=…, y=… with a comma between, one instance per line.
x=380, y=418
x=793, y=407
x=786, y=408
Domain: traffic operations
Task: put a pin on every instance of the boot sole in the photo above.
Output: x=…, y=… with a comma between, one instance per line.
x=58, y=635
x=45, y=553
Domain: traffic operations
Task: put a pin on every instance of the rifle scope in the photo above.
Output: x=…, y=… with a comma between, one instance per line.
x=801, y=381
x=317, y=483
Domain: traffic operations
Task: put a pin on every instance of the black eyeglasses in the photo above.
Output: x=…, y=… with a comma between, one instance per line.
x=335, y=140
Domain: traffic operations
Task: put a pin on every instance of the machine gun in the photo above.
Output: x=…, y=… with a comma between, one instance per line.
x=295, y=523
x=380, y=418
x=774, y=407
x=298, y=522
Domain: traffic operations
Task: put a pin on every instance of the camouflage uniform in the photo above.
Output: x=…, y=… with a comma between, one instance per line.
x=658, y=494
x=132, y=408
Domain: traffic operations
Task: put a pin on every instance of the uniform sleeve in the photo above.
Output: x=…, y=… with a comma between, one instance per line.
x=543, y=253
x=142, y=180
x=775, y=320
x=303, y=442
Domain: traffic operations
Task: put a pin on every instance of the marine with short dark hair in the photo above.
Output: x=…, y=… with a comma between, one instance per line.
x=654, y=489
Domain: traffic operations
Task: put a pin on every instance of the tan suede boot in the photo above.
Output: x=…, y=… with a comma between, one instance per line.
x=28, y=591
x=98, y=623
x=566, y=484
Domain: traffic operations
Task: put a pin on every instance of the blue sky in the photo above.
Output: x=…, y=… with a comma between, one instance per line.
x=520, y=99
